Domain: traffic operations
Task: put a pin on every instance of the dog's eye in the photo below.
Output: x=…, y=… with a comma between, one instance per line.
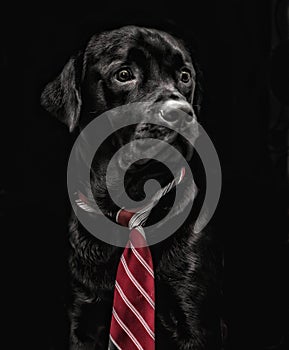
x=185, y=76
x=124, y=75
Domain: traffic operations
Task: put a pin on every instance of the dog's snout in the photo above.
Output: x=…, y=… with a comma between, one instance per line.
x=176, y=112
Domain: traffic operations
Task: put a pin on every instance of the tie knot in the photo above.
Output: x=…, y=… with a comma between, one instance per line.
x=134, y=223
x=137, y=237
x=123, y=217
x=133, y=219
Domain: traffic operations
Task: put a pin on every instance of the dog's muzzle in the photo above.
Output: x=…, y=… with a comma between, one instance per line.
x=176, y=114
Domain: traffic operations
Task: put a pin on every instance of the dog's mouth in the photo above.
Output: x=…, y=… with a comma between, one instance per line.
x=142, y=161
x=152, y=169
x=137, y=176
x=162, y=152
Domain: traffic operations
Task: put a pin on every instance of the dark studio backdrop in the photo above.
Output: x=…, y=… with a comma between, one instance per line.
x=238, y=46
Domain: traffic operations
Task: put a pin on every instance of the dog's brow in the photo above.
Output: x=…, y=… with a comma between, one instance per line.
x=179, y=58
x=169, y=45
x=167, y=50
x=137, y=54
x=111, y=64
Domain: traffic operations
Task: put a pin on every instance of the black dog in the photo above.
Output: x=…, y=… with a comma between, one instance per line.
x=117, y=67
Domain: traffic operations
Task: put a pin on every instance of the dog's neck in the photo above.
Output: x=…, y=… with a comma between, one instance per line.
x=87, y=203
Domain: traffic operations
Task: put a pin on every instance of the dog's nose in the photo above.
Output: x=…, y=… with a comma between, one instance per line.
x=176, y=112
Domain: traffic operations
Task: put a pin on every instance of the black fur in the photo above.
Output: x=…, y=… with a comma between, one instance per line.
x=187, y=263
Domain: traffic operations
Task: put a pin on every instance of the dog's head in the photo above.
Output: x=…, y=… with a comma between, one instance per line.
x=122, y=66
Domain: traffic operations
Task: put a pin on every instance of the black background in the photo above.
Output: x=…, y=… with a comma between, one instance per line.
x=234, y=46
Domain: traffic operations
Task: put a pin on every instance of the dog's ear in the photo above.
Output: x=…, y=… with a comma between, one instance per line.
x=62, y=96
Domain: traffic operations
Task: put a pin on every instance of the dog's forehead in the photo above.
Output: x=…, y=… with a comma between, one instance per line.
x=116, y=44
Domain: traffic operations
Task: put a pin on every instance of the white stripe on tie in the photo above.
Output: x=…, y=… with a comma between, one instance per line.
x=134, y=310
x=142, y=260
x=127, y=331
x=114, y=343
x=135, y=282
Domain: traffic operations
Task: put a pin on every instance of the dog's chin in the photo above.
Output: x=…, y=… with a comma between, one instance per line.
x=136, y=179
x=146, y=169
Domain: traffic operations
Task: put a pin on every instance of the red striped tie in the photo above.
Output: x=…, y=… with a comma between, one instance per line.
x=133, y=315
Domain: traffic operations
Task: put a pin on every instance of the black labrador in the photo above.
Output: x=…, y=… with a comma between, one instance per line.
x=117, y=67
